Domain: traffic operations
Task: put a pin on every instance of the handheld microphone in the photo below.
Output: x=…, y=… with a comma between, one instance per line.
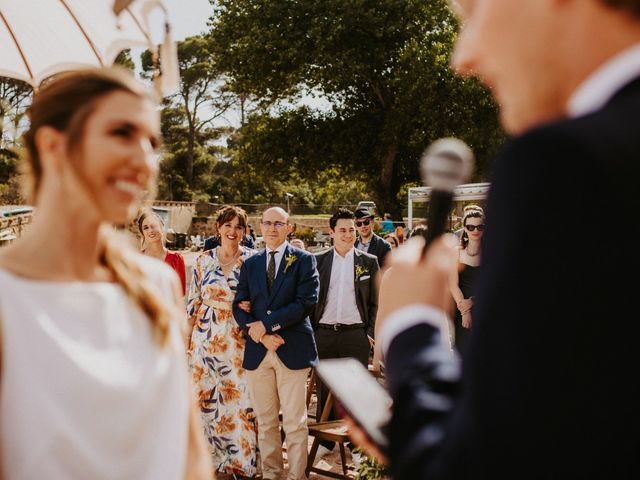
x=447, y=163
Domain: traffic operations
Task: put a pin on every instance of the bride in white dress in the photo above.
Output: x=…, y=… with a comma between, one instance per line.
x=94, y=375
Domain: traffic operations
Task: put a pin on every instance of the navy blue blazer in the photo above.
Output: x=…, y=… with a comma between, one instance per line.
x=285, y=311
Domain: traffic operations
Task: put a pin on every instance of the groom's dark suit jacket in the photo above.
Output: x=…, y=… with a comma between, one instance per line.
x=284, y=311
x=550, y=387
x=365, y=287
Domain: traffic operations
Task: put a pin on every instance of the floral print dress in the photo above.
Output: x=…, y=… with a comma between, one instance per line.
x=215, y=357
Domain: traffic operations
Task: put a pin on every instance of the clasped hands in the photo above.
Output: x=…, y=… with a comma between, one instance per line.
x=464, y=306
x=258, y=332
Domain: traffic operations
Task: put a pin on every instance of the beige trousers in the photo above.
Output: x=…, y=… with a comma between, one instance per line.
x=274, y=387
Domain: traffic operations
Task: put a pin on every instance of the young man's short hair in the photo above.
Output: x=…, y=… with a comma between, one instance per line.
x=340, y=214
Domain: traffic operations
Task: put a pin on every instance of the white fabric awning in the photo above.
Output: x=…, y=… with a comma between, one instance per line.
x=39, y=38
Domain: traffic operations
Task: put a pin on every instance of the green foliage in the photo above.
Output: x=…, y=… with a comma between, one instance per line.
x=370, y=469
x=15, y=97
x=124, y=59
x=190, y=155
x=384, y=68
x=306, y=233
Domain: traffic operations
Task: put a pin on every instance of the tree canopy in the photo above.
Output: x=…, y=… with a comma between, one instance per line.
x=383, y=67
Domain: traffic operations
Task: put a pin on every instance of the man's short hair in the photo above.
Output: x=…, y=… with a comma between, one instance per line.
x=363, y=213
x=340, y=214
x=632, y=6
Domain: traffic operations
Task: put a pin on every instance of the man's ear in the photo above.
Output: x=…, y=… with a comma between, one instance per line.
x=52, y=147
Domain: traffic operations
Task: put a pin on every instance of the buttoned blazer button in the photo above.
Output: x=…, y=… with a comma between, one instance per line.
x=268, y=312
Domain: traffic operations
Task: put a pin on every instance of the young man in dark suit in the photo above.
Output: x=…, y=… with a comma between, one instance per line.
x=550, y=376
x=281, y=282
x=345, y=314
x=368, y=241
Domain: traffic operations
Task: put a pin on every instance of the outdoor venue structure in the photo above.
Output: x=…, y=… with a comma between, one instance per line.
x=467, y=192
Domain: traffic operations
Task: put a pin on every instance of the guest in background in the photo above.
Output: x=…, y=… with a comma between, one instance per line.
x=151, y=228
x=217, y=348
x=387, y=224
x=461, y=283
x=420, y=229
x=298, y=243
x=212, y=242
x=392, y=240
x=281, y=282
x=367, y=240
x=344, y=317
x=94, y=377
x=400, y=234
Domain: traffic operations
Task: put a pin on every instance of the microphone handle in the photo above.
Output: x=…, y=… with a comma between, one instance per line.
x=438, y=216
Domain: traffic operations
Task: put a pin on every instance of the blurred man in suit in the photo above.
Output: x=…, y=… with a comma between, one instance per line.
x=550, y=375
x=345, y=315
x=281, y=282
x=367, y=240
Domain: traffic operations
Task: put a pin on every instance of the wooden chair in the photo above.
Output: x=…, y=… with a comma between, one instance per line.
x=334, y=431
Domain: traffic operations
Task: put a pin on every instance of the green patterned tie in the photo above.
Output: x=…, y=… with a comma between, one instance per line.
x=271, y=269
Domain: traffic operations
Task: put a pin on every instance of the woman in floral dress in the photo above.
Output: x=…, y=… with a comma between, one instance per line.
x=216, y=350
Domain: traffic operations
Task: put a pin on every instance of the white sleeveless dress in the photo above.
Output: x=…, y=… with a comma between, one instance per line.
x=85, y=393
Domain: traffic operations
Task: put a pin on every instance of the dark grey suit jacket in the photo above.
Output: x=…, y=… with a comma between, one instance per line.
x=379, y=247
x=365, y=287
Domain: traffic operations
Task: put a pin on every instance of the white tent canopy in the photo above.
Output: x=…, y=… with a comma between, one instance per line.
x=39, y=38
x=462, y=193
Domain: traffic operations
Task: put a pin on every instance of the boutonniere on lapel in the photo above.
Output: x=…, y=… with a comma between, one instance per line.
x=361, y=271
x=290, y=260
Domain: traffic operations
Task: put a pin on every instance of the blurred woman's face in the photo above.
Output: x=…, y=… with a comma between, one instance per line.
x=231, y=232
x=152, y=229
x=392, y=242
x=117, y=158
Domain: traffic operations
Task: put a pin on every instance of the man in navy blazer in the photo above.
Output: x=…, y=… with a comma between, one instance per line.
x=281, y=282
x=550, y=375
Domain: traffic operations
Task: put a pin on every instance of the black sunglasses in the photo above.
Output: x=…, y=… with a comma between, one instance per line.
x=471, y=228
x=363, y=222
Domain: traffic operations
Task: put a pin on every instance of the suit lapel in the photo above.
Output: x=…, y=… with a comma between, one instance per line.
x=373, y=245
x=280, y=275
x=324, y=269
x=358, y=259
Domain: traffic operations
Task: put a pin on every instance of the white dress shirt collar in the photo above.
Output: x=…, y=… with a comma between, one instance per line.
x=281, y=249
x=348, y=255
x=599, y=87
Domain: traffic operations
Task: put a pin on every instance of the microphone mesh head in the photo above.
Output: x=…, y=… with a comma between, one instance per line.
x=447, y=163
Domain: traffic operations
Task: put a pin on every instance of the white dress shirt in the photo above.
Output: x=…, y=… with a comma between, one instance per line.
x=598, y=88
x=341, y=297
x=279, y=254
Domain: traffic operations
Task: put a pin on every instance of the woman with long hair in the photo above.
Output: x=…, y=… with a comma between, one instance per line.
x=151, y=228
x=461, y=282
x=94, y=377
x=216, y=349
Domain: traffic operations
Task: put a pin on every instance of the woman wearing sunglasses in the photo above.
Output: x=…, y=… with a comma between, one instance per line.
x=468, y=262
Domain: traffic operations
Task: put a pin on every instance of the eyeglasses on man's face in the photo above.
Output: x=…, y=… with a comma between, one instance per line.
x=363, y=222
x=471, y=228
x=268, y=224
